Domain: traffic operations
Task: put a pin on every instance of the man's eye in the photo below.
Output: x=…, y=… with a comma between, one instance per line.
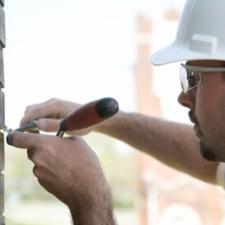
x=193, y=80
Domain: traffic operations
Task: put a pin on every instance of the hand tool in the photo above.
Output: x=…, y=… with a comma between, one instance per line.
x=86, y=116
x=30, y=127
x=89, y=115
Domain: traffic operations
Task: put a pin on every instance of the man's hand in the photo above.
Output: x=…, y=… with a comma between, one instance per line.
x=48, y=115
x=69, y=169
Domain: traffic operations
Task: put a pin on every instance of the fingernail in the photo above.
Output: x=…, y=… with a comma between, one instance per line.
x=9, y=138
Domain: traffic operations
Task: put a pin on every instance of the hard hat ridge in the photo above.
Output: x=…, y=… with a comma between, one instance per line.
x=200, y=35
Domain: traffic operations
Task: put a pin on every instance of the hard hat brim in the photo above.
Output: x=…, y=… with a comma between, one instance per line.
x=177, y=53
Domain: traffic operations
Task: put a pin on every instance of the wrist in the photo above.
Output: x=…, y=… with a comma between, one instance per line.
x=106, y=126
x=93, y=210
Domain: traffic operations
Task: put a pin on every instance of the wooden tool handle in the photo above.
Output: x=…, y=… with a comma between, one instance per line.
x=90, y=114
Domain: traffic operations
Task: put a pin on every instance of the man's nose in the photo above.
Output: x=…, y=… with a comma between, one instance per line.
x=186, y=100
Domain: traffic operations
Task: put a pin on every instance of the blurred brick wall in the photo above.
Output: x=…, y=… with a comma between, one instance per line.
x=166, y=196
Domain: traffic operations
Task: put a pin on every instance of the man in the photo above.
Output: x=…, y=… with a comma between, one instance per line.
x=69, y=169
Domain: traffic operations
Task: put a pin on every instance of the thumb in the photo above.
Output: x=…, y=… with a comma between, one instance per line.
x=48, y=125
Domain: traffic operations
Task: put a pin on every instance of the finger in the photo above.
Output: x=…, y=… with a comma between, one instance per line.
x=35, y=171
x=24, y=140
x=38, y=105
x=49, y=109
x=48, y=125
x=30, y=153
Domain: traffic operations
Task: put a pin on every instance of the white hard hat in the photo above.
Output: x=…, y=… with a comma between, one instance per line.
x=200, y=36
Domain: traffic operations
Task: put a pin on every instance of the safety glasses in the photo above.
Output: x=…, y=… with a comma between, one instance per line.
x=191, y=76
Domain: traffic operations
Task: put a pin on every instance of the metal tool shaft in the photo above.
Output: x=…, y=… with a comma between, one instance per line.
x=30, y=127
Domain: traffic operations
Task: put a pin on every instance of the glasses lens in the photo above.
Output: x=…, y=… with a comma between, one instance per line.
x=189, y=78
x=183, y=78
x=193, y=80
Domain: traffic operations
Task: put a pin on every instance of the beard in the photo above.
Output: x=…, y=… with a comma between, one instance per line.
x=205, y=150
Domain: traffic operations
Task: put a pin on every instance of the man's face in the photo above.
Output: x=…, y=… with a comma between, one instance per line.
x=207, y=110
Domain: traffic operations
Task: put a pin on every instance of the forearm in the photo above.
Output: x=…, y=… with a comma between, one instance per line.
x=93, y=217
x=174, y=144
x=96, y=211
